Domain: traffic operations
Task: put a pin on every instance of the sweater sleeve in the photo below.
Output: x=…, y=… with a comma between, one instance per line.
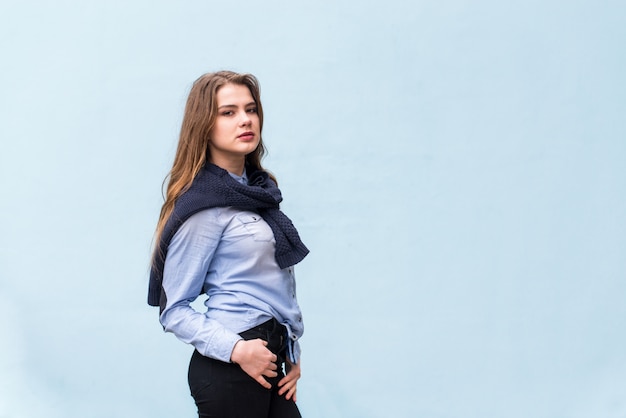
x=188, y=259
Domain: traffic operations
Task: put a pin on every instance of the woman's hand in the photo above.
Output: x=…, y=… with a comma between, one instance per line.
x=288, y=383
x=256, y=360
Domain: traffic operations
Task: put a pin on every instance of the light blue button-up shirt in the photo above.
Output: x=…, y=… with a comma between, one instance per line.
x=228, y=254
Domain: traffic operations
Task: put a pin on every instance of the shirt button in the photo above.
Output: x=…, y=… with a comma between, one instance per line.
x=293, y=337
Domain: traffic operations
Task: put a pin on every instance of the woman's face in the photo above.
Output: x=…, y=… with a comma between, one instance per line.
x=236, y=132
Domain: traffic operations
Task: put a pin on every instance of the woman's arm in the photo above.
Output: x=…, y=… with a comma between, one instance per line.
x=188, y=258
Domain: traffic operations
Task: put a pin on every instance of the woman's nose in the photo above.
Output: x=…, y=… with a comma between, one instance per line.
x=245, y=119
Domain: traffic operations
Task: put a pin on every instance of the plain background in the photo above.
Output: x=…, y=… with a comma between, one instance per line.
x=457, y=168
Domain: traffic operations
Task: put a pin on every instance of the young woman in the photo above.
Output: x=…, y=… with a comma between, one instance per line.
x=221, y=233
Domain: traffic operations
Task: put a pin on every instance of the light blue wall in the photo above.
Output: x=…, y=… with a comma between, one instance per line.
x=458, y=169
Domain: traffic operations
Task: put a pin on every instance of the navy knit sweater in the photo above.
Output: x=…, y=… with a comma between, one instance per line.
x=214, y=187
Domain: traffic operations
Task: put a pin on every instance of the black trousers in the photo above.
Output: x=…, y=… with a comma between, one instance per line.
x=224, y=390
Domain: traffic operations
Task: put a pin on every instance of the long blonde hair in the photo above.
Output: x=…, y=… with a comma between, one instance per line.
x=193, y=143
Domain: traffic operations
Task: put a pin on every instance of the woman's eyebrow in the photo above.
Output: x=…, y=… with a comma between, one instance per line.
x=233, y=105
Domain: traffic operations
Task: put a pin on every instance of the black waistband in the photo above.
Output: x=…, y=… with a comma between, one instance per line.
x=271, y=331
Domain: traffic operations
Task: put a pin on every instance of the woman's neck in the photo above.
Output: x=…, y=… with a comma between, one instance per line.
x=234, y=165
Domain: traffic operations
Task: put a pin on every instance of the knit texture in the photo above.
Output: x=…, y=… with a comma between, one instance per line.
x=214, y=187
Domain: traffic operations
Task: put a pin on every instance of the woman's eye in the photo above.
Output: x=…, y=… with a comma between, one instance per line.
x=227, y=113
x=252, y=110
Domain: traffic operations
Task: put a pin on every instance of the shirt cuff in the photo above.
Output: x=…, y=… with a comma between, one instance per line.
x=223, y=347
x=293, y=351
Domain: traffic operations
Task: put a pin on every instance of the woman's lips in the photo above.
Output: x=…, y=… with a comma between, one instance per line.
x=246, y=136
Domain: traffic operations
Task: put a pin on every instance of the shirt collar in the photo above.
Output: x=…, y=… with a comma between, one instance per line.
x=243, y=179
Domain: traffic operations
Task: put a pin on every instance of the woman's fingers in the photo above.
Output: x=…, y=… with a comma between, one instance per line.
x=271, y=370
x=288, y=384
x=256, y=360
x=291, y=392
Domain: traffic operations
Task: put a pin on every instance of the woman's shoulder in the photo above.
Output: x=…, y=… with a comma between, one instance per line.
x=212, y=222
x=215, y=215
x=203, y=216
x=204, y=223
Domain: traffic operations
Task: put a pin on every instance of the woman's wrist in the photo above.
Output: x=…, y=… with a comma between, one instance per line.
x=236, y=351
